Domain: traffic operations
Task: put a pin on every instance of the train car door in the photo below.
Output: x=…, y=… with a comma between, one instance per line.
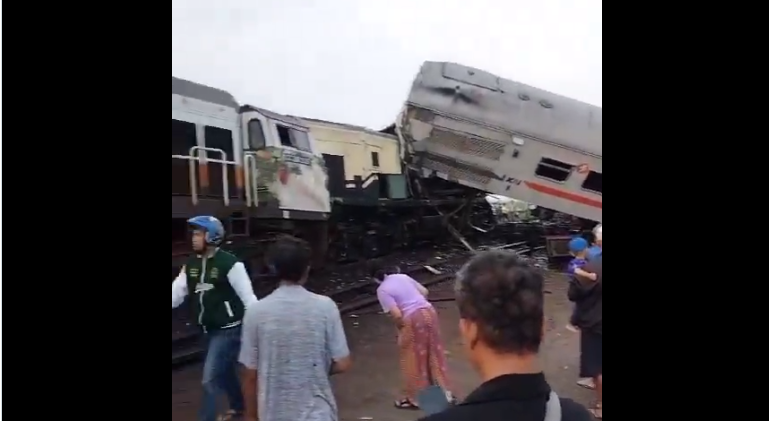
x=336, y=176
x=183, y=139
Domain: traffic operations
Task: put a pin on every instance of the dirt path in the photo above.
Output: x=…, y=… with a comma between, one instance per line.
x=367, y=392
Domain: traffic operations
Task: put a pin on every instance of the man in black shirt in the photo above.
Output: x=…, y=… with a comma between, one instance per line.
x=501, y=308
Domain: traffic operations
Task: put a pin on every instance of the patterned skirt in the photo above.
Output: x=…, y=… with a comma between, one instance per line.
x=423, y=362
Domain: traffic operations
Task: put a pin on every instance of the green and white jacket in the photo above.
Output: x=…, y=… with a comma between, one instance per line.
x=221, y=287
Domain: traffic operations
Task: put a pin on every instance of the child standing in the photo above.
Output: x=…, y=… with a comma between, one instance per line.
x=578, y=247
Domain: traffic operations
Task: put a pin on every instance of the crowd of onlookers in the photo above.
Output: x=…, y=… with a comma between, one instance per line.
x=292, y=341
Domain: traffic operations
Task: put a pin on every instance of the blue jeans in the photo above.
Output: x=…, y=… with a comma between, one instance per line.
x=220, y=372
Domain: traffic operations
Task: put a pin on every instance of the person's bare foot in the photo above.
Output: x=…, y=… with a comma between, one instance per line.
x=571, y=328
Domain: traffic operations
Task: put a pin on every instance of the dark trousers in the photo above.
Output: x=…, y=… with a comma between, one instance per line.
x=591, y=354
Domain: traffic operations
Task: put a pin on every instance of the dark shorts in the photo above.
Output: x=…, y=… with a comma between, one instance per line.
x=591, y=354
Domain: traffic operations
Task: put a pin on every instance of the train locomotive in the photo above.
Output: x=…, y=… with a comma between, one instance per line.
x=264, y=174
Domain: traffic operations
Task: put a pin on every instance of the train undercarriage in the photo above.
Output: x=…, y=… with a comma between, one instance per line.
x=436, y=212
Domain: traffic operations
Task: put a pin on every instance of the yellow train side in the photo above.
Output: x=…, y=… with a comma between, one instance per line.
x=365, y=151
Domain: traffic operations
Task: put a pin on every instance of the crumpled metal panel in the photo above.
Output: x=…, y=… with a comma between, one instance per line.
x=455, y=171
x=484, y=98
x=479, y=147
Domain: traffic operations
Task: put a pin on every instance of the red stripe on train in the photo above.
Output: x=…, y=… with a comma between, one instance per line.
x=552, y=191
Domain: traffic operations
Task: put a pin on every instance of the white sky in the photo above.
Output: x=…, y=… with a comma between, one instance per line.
x=352, y=61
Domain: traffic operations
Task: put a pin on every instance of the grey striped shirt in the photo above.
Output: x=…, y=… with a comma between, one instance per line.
x=291, y=338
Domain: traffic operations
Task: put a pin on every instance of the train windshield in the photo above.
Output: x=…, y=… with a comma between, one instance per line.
x=256, y=138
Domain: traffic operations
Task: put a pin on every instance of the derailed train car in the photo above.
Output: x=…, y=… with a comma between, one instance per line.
x=484, y=132
x=376, y=204
x=264, y=174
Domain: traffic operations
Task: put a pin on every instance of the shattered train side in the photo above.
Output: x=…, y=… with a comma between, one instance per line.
x=471, y=127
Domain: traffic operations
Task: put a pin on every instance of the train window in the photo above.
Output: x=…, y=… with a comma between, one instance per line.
x=219, y=139
x=182, y=137
x=256, y=138
x=300, y=140
x=294, y=138
x=375, y=159
x=593, y=182
x=284, y=135
x=553, y=170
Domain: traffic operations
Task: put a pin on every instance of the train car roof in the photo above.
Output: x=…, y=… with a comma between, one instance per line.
x=509, y=105
x=350, y=127
x=202, y=92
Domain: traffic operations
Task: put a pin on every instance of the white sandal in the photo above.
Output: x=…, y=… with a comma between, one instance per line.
x=230, y=415
x=587, y=383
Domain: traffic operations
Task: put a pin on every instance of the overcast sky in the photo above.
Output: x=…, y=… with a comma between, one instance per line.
x=353, y=61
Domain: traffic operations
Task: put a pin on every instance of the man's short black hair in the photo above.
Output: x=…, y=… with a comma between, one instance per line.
x=504, y=295
x=290, y=257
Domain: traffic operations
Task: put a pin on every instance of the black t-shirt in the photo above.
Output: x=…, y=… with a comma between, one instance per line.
x=519, y=397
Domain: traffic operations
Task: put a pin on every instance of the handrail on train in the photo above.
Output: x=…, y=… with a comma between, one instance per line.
x=194, y=157
x=250, y=172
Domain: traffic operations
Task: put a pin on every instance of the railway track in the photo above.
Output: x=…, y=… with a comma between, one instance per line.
x=360, y=293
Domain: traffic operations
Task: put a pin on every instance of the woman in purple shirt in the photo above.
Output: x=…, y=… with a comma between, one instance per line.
x=419, y=337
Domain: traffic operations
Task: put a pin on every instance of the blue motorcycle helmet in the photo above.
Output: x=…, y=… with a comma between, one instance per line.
x=211, y=225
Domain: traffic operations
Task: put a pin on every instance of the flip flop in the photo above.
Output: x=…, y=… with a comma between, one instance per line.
x=405, y=404
x=230, y=415
x=587, y=383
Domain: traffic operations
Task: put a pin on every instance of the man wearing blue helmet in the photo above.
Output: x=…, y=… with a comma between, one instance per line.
x=222, y=290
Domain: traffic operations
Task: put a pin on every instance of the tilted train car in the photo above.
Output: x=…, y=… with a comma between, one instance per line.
x=492, y=134
x=264, y=174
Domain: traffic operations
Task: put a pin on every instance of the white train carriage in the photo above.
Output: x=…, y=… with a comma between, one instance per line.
x=471, y=127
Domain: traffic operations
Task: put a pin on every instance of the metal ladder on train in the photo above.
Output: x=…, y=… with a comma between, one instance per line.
x=195, y=158
x=249, y=171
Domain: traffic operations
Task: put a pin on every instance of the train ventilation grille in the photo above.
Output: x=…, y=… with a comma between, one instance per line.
x=483, y=148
